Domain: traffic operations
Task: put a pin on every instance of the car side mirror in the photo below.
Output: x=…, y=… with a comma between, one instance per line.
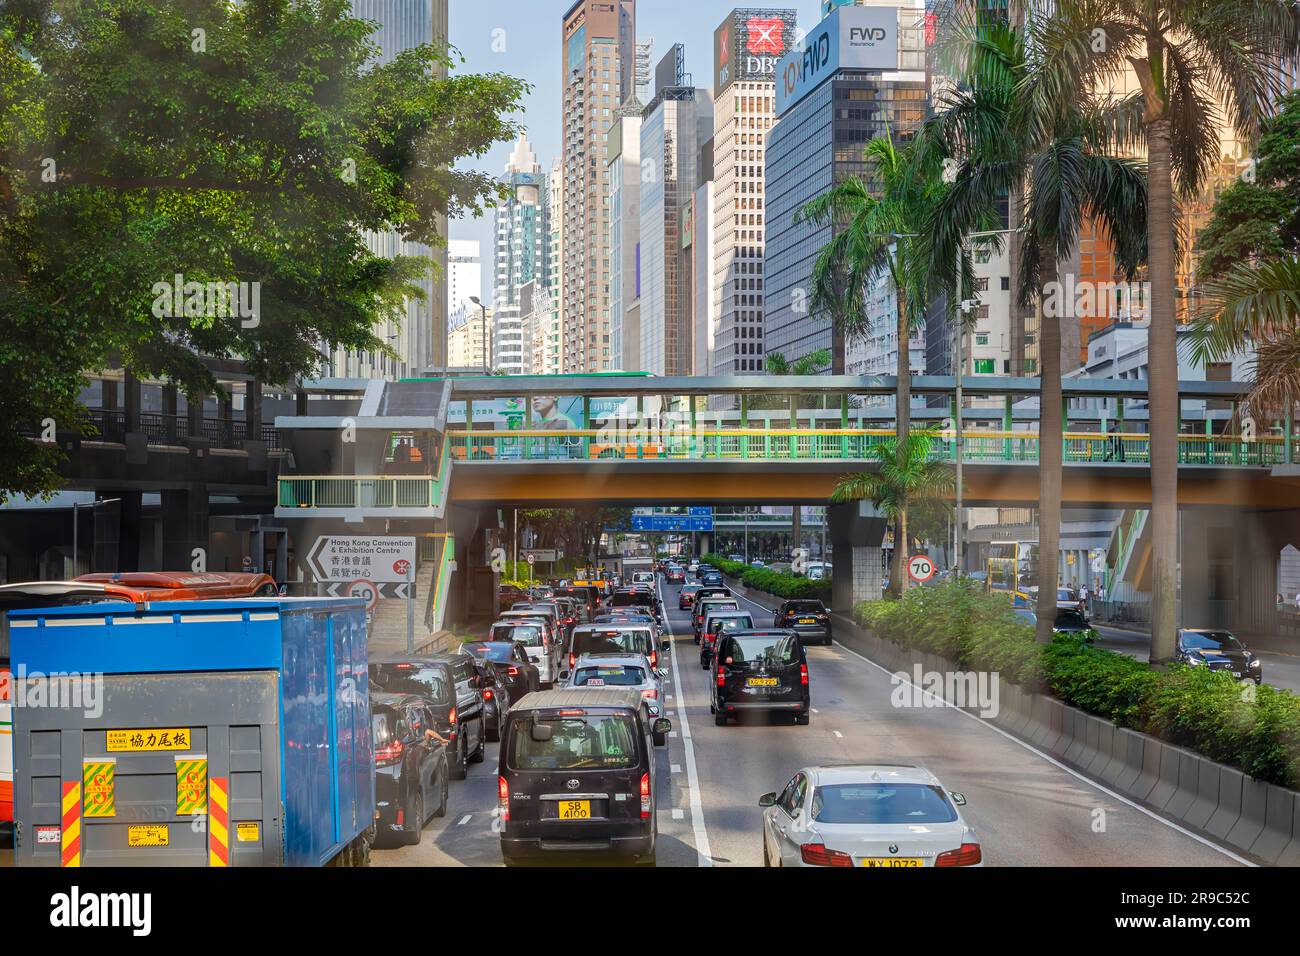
x=958, y=798
x=665, y=645
x=767, y=799
x=662, y=725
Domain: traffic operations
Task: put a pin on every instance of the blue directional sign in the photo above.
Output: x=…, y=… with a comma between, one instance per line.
x=672, y=522
x=700, y=511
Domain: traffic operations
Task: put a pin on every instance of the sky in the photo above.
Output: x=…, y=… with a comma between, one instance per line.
x=526, y=37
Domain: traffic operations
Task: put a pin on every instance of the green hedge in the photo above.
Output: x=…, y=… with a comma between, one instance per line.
x=777, y=583
x=1210, y=713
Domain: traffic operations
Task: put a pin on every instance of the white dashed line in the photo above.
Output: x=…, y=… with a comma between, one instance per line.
x=836, y=733
x=814, y=710
x=676, y=768
x=678, y=813
x=464, y=820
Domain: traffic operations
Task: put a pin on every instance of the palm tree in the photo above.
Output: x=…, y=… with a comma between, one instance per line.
x=1256, y=307
x=1061, y=175
x=810, y=364
x=907, y=477
x=876, y=232
x=1189, y=57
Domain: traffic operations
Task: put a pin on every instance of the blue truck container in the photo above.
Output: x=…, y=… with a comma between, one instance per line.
x=205, y=733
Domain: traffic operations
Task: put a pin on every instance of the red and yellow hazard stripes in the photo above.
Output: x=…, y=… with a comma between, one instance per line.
x=98, y=788
x=191, y=786
x=218, y=822
x=71, y=825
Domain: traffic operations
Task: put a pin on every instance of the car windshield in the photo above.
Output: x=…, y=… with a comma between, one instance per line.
x=881, y=804
x=615, y=675
x=631, y=640
x=530, y=635
x=624, y=599
x=499, y=652
x=1068, y=618
x=427, y=682
x=1210, y=641
x=592, y=741
x=805, y=607
x=766, y=648
x=708, y=606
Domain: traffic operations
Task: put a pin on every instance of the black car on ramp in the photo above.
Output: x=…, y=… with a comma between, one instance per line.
x=410, y=768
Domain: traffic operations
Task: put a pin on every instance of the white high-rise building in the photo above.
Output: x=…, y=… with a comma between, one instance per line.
x=520, y=257
x=625, y=237
x=464, y=274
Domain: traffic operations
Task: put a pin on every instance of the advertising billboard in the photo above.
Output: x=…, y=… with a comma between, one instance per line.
x=748, y=44
x=851, y=38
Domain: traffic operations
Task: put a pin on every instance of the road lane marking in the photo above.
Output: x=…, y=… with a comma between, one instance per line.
x=675, y=768
x=678, y=813
x=702, y=849
x=1056, y=763
x=464, y=820
x=814, y=710
x=838, y=734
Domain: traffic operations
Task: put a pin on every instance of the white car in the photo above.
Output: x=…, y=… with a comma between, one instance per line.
x=882, y=815
x=630, y=671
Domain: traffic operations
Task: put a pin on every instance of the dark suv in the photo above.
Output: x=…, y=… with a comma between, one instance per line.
x=759, y=670
x=410, y=768
x=1218, y=651
x=577, y=777
x=452, y=687
x=807, y=618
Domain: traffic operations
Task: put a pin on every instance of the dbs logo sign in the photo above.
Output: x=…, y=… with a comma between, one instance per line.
x=765, y=37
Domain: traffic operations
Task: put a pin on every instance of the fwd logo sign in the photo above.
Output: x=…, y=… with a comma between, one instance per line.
x=816, y=57
x=867, y=34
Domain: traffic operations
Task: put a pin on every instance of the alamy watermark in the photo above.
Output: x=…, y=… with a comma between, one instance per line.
x=65, y=691
x=208, y=300
x=1072, y=299
x=969, y=690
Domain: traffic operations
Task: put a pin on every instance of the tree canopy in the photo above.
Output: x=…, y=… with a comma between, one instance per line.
x=254, y=144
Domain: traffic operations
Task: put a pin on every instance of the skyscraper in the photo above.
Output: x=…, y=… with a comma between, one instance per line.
x=746, y=47
x=676, y=123
x=864, y=83
x=420, y=336
x=598, y=67
x=520, y=256
x=625, y=237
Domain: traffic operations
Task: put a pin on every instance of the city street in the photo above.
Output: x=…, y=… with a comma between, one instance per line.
x=1280, y=669
x=1026, y=808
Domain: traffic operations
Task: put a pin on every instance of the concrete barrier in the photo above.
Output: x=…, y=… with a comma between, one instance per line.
x=1101, y=743
x=1254, y=808
x=1167, y=785
x=1189, y=767
x=1279, y=825
x=1129, y=744
x=1207, y=796
x=1152, y=751
x=1291, y=855
x=1228, y=812
x=1116, y=749
x=1049, y=713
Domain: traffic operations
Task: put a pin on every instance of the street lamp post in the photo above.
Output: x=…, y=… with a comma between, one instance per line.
x=487, y=336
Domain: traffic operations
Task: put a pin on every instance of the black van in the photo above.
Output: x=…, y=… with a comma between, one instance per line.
x=576, y=777
x=452, y=687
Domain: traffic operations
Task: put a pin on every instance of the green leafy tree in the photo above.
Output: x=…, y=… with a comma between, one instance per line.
x=246, y=143
x=1257, y=218
x=906, y=477
x=777, y=364
x=1061, y=175
x=1189, y=56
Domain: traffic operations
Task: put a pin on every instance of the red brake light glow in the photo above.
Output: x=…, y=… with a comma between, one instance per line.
x=387, y=756
x=968, y=855
x=722, y=676
x=573, y=712
x=803, y=674
x=645, y=796
x=816, y=854
x=503, y=798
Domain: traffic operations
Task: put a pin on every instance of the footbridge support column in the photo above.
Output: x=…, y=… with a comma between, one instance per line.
x=856, y=531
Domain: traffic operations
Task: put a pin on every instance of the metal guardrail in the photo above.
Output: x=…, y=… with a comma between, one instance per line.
x=365, y=491
x=763, y=444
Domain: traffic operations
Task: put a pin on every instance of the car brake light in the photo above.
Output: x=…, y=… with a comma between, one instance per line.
x=645, y=796
x=722, y=677
x=816, y=854
x=654, y=658
x=968, y=855
x=803, y=674
x=573, y=712
x=387, y=756
x=487, y=695
x=651, y=693
x=451, y=718
x=573, y=659
x=503, y=798
x=512, y=671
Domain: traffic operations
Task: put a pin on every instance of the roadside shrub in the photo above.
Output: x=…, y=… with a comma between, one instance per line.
x=780, y=584
x=1254, y=729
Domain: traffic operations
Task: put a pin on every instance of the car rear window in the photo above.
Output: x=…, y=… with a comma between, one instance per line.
x=881, y=803
x=592, y=741
x=771, y=649
x=498, y=651
x=707, y=606
x=630, y=641
x=806, y=607
x=718, y=625
x=528, y=635
x=624, y=600
x=615, y=675
x=430, y=682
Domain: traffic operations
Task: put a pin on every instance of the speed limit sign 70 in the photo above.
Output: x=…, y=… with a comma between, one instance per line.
x=920, y=568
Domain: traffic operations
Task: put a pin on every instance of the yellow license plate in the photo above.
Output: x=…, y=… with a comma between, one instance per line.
x=575, y=809
x=762, y=682
x=807, y=620
x=152, y=738
x=892, y=861
x=147, y=836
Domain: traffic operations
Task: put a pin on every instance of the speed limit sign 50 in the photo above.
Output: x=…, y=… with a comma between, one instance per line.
x=920, y=568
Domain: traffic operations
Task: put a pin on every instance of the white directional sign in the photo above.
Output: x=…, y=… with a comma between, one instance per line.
x=378, y=558
x=920, y=568
x=540, y=554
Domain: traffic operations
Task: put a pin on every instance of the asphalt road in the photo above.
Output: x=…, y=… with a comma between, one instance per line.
x=1027, y=809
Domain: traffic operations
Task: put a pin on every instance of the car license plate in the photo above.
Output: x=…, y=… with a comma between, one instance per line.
x=762, y=682
x=575, y=810
x=891, y=861
x=807, y=620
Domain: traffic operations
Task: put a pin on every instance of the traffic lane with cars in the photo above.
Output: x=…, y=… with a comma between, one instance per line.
x=1027, y=810
x=466, y=836
x=1279, y=670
